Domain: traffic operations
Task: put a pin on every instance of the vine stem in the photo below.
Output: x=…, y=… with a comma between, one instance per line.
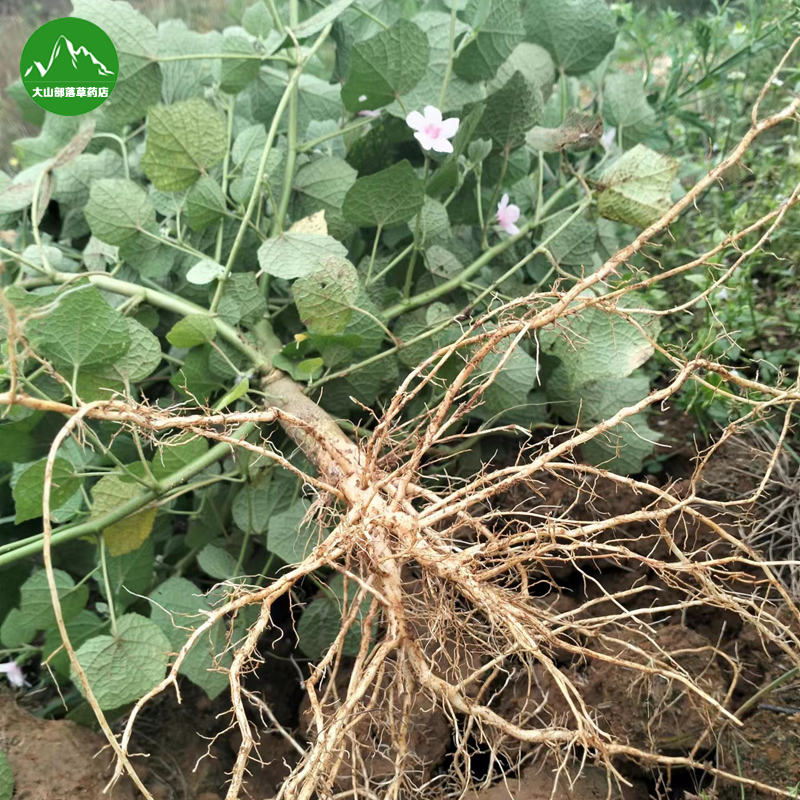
x=413, y=261
x=449, y=68
x=107, y=583
x=378, y=232
x=291, y=137
x=262, y=166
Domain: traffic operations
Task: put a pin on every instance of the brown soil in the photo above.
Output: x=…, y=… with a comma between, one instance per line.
x=55, y=759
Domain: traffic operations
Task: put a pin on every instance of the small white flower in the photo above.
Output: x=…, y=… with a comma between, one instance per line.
x=362, y=98
x=722, y=294
x=432, y=132
x=507, y=215
x=13, y=674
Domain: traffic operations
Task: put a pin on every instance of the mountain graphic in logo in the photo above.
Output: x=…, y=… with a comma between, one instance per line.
x=68, y=62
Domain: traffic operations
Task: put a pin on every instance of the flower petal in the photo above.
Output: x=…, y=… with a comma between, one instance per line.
x=416, y=121
x=512, y=212
x=426, y=141
x=512, y=229
x=432, y=114
x=450, y=127
x=441, y=145
x=501, y=206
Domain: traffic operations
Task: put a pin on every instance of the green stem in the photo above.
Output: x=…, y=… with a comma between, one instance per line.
x=449, y=69
x=396, y=260
x=15, y=551
x=122, y=146
x=37, y=189
x=237, y=56
x=262, y=166
x=159, y=299
x=493, y=200
x=291, y=153
x=276, y=17
x=378, y=231
x=107, y=583
x=353, y=126
x=413, y=262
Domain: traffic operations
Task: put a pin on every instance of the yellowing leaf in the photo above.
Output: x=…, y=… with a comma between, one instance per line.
x=313, y=224
x=108, y=494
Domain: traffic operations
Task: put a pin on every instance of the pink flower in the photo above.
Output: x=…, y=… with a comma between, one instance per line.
x=14, y=674
x=507, y=215
x=432, y=132
x=368, y=113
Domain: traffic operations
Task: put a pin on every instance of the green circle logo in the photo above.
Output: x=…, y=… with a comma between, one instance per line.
x=69, y=66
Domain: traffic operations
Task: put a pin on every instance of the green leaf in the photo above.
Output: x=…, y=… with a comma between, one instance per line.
x=242, y=301
x=386, y=67
x=324, y=183
x=434, y=224
x=318, y=21
x=120, y=213
x=579, y=34
x=205, y=203
x=508, y=394
x=36, y=609
x=205, y=271
x=178, y=607
x=80, y=629
x=575, y=245
x=217, y=562
x=29, y=488
x=185, y=78
x=74, y=181
x=238, y=72
x=325, y=299
x=498, y=30
x=178, y=452
x=80, y=330
x=511, y=112
x=195, y=378
x=257, y=20
x=122, y=668
x=289, y=537
x=256, y=503
x=322, y=619
x=6, y=778
x=535, y=64
x=386, y=198
x=15, y=632
x=108, y=494
x=135, y=38
x=436, y=25
x=624, y=448
x=139, y=362
x=625, y=105
x=192, y=330
x=596, y=345
x=296, y=255
x=184, y=140
x=129, y=574
x=636, y=187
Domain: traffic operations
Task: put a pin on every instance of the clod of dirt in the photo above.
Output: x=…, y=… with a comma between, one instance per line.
x=55, y=759
x=543, y=784
x=648, y=710
x=766, y=749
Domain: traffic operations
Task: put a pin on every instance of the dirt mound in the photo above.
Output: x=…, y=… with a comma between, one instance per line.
x=55, y=759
